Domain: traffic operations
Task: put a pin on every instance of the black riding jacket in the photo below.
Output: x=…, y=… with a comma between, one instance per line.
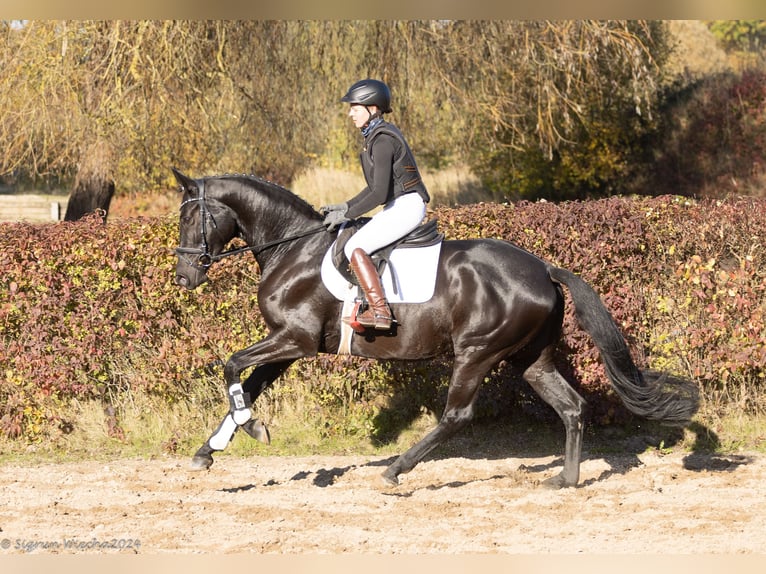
x=389, y=168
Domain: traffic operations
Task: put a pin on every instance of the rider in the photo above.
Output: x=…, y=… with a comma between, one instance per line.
x=393, y=180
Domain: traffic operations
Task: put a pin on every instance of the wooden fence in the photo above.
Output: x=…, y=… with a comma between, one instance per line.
x=32, y=208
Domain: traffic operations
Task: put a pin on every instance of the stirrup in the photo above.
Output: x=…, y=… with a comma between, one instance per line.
x=367, y=319
x=352, y=320
x=372, y=320
x=377, y=322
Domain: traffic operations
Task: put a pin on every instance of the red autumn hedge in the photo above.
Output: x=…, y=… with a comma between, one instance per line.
x=88, y=310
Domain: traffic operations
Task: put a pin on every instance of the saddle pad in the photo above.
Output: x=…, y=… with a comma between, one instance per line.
x=410, y=276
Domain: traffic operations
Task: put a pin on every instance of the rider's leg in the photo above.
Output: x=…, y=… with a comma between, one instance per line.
x=378, y=314
x=396, y=220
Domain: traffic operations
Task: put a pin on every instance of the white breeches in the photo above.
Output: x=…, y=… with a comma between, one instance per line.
x=395, y=220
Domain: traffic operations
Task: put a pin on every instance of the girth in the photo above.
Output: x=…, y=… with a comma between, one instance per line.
x=424, y=235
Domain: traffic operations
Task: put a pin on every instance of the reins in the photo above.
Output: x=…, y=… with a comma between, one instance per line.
x=206, y=259
x=264, y=246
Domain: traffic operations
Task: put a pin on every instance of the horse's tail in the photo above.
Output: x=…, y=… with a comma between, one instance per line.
x=650, y=394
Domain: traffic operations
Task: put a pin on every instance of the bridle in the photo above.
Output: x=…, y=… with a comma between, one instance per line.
x=204, y=258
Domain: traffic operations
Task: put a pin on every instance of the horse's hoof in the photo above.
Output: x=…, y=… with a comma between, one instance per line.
x=390, y=479
x=257, y=430
x=200, y=462
x=555, y=483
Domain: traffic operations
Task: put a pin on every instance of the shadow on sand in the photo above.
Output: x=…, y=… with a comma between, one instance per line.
x=619, y=447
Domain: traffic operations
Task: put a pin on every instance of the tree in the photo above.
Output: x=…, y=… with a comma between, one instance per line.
x=108, y=103
x=111, y=105
x=551, y=106
x=746, y=35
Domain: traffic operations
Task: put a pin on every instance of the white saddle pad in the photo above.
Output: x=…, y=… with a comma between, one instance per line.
x=410, y=276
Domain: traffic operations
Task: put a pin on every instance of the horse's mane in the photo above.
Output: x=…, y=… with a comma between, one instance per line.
x=273, y=190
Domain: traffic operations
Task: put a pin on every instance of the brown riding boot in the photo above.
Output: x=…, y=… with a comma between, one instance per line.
x=378, y=313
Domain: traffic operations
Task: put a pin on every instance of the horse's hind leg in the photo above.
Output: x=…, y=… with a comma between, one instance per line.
x=554, y=390
x=465, y=381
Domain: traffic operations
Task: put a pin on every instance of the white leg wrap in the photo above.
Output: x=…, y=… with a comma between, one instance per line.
x=239, y=408
x=242, y=416
x=222, y=436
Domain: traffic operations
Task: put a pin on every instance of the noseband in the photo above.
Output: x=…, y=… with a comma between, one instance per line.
x=204, y=257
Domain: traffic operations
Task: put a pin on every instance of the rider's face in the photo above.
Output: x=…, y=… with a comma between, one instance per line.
x=360, y=115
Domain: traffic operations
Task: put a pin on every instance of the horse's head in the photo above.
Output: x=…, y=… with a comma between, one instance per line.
x=206, y=226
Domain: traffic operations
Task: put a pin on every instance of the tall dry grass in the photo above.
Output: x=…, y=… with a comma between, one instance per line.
x=450, y=186
x=319, y=186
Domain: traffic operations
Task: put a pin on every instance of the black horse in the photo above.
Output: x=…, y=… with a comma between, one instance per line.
x=492, y=301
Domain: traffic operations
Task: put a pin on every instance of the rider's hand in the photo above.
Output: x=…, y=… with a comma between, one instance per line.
x=334, y=218
x=342, y=207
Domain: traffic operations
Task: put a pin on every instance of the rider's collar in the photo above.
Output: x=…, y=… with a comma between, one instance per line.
x=371, y=125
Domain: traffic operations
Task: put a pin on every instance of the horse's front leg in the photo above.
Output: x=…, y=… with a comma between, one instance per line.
x=241, y=396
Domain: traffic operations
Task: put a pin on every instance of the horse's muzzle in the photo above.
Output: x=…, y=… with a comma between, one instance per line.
x=189, y=277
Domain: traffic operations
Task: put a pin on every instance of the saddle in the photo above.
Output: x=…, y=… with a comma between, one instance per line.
x=424, y=235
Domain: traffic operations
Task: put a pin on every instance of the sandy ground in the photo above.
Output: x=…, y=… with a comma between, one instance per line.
x=648, y=503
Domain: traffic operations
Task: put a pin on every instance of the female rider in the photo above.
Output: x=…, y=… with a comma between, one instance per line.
x=393, y=180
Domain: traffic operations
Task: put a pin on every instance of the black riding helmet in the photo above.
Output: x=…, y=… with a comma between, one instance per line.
x=369, y=93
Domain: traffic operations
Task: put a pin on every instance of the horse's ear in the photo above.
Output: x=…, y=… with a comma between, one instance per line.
x=185, y=182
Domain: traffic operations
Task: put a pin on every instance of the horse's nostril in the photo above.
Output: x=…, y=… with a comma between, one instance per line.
x=181, y=280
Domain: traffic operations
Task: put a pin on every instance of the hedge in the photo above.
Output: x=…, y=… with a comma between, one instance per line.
x=89, y=310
